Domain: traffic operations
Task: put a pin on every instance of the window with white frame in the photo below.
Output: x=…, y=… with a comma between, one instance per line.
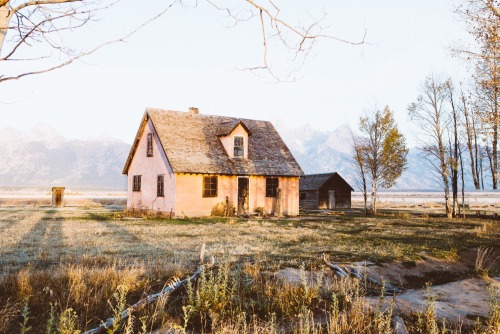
x=239, y=148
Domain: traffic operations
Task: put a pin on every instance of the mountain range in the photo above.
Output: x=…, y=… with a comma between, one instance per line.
x=42, y=157
x=330, y=151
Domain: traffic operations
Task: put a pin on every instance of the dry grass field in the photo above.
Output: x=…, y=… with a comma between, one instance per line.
x=66, y=270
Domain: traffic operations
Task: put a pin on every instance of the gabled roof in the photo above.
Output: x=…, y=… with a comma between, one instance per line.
x=226, y=128
x=192, y=145
x=316, y=181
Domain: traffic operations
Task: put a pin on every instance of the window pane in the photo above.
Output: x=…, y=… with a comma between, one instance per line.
x=160, y=186
x=238, y=147
x=272, y=184
x=136, y=183
x=150, y=145
x=210, y=186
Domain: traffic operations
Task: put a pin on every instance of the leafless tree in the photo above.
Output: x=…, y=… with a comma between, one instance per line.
x=483, y=23
x=25, y=24
x=454, y=145
x=470, y=127
x=432, y=118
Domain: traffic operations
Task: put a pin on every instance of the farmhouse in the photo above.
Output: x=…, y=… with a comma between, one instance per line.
x=186, y=163
x=325, y=191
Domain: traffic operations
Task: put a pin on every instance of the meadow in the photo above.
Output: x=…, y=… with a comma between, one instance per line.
x=66, y=270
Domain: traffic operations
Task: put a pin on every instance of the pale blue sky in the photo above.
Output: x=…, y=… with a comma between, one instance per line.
x=189, y=57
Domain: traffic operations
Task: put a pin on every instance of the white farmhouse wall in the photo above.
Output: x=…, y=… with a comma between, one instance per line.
x=149, y=168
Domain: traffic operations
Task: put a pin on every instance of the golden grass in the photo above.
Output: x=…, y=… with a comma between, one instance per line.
x=78, y=258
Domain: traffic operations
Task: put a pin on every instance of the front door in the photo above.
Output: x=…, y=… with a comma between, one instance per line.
x=242, y=195
x=331, y=199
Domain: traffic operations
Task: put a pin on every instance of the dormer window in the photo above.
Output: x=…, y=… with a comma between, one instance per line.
x=239, y=147
x=235, y=137
x=150, y=145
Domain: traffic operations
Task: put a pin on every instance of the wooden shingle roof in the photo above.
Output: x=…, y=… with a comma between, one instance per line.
x=192, y=145
x=316, y=181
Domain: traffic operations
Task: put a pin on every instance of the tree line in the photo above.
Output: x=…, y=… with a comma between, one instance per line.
x=457, y=122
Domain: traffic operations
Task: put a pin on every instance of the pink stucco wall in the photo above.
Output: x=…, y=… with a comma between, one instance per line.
x=190, y=201
x=184, y=192
x=149, y=168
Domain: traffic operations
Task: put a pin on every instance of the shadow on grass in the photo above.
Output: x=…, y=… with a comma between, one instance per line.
x=40, y=246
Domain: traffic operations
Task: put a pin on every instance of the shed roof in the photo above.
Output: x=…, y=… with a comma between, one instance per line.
x=192, y=145
x=316, y=181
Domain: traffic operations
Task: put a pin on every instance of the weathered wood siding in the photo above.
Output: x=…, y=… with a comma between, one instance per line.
x=319, y=199
x=310, y=201
x=342, y=194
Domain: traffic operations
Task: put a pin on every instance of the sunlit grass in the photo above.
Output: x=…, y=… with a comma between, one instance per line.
x=74, y=258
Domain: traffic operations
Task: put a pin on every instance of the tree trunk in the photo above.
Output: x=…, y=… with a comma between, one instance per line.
x=454, y=160
x=470, y=132
x=494, y=170
x=489, y=155
x=374, y=197
x=463, y=184
x=5, y=16
x=444, y=176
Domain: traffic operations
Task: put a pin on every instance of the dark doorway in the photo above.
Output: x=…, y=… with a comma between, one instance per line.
x=242, y=195
x=58, y=198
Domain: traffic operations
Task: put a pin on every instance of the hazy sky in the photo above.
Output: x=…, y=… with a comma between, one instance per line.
x=190, y=57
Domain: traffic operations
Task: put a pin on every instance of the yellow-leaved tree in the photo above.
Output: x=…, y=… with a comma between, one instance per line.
x=381, y=152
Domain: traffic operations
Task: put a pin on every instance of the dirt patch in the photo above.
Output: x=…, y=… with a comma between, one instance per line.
x=447, y=285
x=463, y=300
x=416, y=274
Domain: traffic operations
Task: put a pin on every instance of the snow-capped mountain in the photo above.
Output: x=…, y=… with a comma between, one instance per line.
x=42, y=157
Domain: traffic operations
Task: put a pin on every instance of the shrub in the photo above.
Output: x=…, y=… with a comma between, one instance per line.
x=221, y=210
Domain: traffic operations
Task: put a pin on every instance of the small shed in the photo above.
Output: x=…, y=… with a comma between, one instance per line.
x=324, y=191
x=58, y=196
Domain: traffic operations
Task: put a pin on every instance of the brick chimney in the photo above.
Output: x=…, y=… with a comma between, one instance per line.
x=193, y=110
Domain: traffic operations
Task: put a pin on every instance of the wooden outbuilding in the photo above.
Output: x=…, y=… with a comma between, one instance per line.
x=324, y=191
x=58, y=196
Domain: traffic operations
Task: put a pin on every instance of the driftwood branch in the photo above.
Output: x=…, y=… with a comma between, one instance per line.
x=110, y=322
x=339, y=271
x=354, y=272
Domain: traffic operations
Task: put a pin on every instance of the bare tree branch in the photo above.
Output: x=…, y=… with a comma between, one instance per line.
x=86, y=53
x=26, y=23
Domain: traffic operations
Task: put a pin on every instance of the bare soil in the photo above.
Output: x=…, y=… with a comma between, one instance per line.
x=451, y=286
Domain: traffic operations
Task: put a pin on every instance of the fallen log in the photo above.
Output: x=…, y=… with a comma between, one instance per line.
x=110, y=322
x=339, y=271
